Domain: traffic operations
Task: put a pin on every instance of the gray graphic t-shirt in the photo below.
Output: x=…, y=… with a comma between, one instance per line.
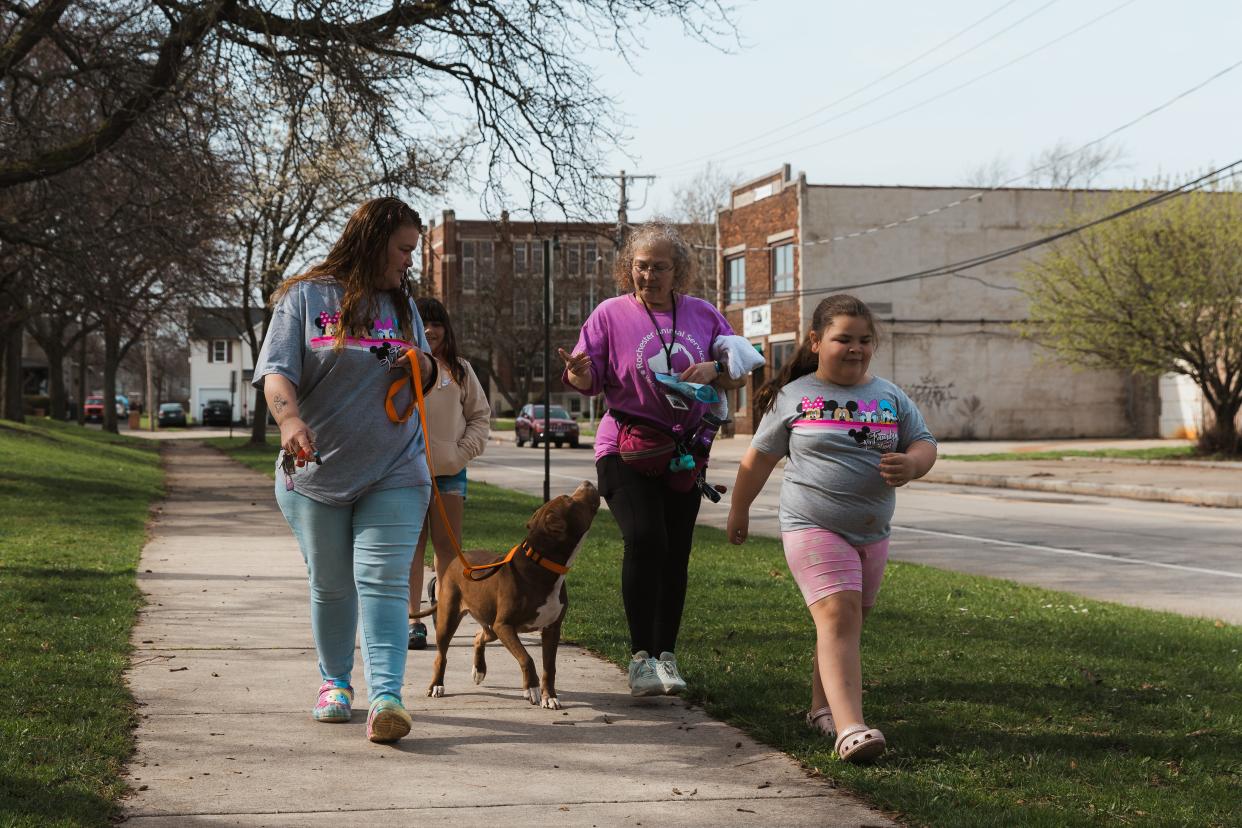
x=834, y=436
x=341, y=394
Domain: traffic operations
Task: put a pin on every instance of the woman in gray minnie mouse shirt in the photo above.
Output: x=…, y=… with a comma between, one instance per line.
x=851, y=439
x=341, y=336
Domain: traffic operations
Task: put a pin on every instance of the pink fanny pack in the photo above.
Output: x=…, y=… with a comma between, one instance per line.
x=649, y=449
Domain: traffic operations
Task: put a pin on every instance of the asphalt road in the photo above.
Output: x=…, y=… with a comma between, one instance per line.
x=1166, y=556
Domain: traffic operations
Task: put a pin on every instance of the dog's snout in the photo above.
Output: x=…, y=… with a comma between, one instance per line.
x=587, y=493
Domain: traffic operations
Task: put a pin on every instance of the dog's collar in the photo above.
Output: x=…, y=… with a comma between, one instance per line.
x=529, y=551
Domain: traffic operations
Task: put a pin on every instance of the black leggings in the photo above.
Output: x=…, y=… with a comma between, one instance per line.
x=657, y=525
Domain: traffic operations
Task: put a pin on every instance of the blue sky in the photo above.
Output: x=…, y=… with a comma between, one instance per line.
x=687, y=103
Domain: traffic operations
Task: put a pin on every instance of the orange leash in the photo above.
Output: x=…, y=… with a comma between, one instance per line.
x=488, y=569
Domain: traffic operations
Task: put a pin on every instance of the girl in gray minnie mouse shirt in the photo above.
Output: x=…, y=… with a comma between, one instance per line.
x=851, y=439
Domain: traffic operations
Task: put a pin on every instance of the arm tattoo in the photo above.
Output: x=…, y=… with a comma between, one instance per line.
x=279, y=404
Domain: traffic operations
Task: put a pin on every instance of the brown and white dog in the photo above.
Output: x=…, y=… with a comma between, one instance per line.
x=525, y=595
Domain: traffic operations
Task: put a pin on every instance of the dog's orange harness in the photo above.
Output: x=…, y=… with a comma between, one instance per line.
x=488, y=569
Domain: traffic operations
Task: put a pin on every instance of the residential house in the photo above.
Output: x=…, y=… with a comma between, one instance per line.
x=221, y=365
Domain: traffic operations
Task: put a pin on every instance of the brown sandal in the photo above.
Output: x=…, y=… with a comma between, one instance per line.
x=820, y=720
x=860, y=743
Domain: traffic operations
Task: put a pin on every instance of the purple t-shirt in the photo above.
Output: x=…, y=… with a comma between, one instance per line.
x=626, y=353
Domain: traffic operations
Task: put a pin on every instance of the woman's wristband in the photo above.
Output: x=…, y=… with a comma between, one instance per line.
x=432, y=375
x=719, y=368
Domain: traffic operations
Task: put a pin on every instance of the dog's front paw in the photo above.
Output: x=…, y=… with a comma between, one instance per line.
x=531, y=694
x=478, y=675
x=436, y=691
x=552, y=703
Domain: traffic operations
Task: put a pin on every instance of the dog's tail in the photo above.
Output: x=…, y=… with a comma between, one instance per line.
x=424, y=613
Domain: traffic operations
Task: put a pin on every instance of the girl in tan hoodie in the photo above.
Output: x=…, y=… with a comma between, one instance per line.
x=458, y=421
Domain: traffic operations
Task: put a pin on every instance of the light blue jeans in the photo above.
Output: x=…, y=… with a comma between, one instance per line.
x=358, y=557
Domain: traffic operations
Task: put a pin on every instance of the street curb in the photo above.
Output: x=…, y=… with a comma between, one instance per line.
x=1225, y=500
x=1232, y=465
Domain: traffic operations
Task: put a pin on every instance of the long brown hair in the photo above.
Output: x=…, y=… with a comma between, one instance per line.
x=355, y=261
x=805, y=361
x=433, y=310
x=654, y=232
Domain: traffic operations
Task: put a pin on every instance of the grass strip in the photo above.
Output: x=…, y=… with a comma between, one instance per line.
x=1003, y=704
x=72, y=525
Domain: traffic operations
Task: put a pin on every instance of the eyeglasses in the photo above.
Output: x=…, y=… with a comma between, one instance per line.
x=659, y=268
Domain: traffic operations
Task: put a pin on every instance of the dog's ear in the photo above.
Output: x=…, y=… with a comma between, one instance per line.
x=554, y=524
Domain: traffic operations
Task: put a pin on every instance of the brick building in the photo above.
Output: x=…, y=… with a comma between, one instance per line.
x=949, y=341
x=490, y=276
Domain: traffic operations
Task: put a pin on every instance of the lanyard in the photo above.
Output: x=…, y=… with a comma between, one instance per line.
x=667, y=346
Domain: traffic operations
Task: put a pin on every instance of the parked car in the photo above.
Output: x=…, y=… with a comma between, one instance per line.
x=562, y=428
x=217, y=412
x=93, y=410
x=171, y=414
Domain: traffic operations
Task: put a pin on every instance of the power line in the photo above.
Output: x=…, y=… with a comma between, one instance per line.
x=943, y=94
x=878, y=80
x=983, y=191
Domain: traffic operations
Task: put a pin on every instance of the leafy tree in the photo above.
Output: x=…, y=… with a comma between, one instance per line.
x=1156, y=291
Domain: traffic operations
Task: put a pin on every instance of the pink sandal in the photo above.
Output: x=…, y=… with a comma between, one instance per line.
x=820, y=720
x=859, y=743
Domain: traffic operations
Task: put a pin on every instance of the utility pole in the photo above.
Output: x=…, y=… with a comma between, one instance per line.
x=150, y=405
x=623, y=220
x=623, y=225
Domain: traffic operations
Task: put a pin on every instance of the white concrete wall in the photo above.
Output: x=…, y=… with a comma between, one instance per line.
x=952, y=345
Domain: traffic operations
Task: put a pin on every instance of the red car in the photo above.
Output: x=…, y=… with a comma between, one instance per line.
x=562, y=428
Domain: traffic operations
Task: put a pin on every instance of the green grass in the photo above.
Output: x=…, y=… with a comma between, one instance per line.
x=72, y=525
x=1003, y=704
x=1157, y=453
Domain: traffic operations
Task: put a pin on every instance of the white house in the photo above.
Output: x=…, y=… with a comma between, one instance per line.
x=221, y=365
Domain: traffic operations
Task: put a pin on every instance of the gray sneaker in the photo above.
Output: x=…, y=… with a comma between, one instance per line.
x=643, y=678
x=666, y=669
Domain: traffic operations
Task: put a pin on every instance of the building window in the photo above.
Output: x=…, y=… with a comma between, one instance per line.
x=536, y=257
x=573, y=310
x=735, y=271
x=219, y=350
x=573, y=259
x=519, y=257
x=468, y=281
x=520, y=318
x=781, y=353
x=536, y=373
x=590, y=256
x=782, y=269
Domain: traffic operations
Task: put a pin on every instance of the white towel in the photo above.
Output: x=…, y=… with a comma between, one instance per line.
x=738, y=355
x=740, y=358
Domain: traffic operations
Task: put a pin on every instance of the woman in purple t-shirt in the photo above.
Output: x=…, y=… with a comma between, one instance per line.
x=650, y=328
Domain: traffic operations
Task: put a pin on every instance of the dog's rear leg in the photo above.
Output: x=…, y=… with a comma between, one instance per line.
x=509, y=637
x=448, y=617
x=480, y=660
x=551, y=636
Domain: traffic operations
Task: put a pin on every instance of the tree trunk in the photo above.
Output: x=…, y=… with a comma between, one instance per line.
x=82, y=381
x=112, y=359
x=57, y=396
x=13, y=409
x=1221, y=437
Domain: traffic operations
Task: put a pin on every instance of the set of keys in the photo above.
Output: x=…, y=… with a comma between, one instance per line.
x=290, y=463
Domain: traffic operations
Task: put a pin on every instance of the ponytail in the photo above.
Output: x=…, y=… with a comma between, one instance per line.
x=800, y=364
x=805, y=361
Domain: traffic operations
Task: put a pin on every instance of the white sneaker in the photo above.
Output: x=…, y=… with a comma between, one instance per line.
x=670, y=679
x=643, y=678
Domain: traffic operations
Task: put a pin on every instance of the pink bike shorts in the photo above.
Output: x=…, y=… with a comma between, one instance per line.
x=824, y=563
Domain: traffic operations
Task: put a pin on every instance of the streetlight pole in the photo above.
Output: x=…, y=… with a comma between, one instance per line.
x=548, y=247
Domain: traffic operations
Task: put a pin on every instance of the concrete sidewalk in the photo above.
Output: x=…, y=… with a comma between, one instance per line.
x=224, y=674
x=1173, y=481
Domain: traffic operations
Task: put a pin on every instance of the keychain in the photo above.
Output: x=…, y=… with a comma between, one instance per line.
x=290, y=463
